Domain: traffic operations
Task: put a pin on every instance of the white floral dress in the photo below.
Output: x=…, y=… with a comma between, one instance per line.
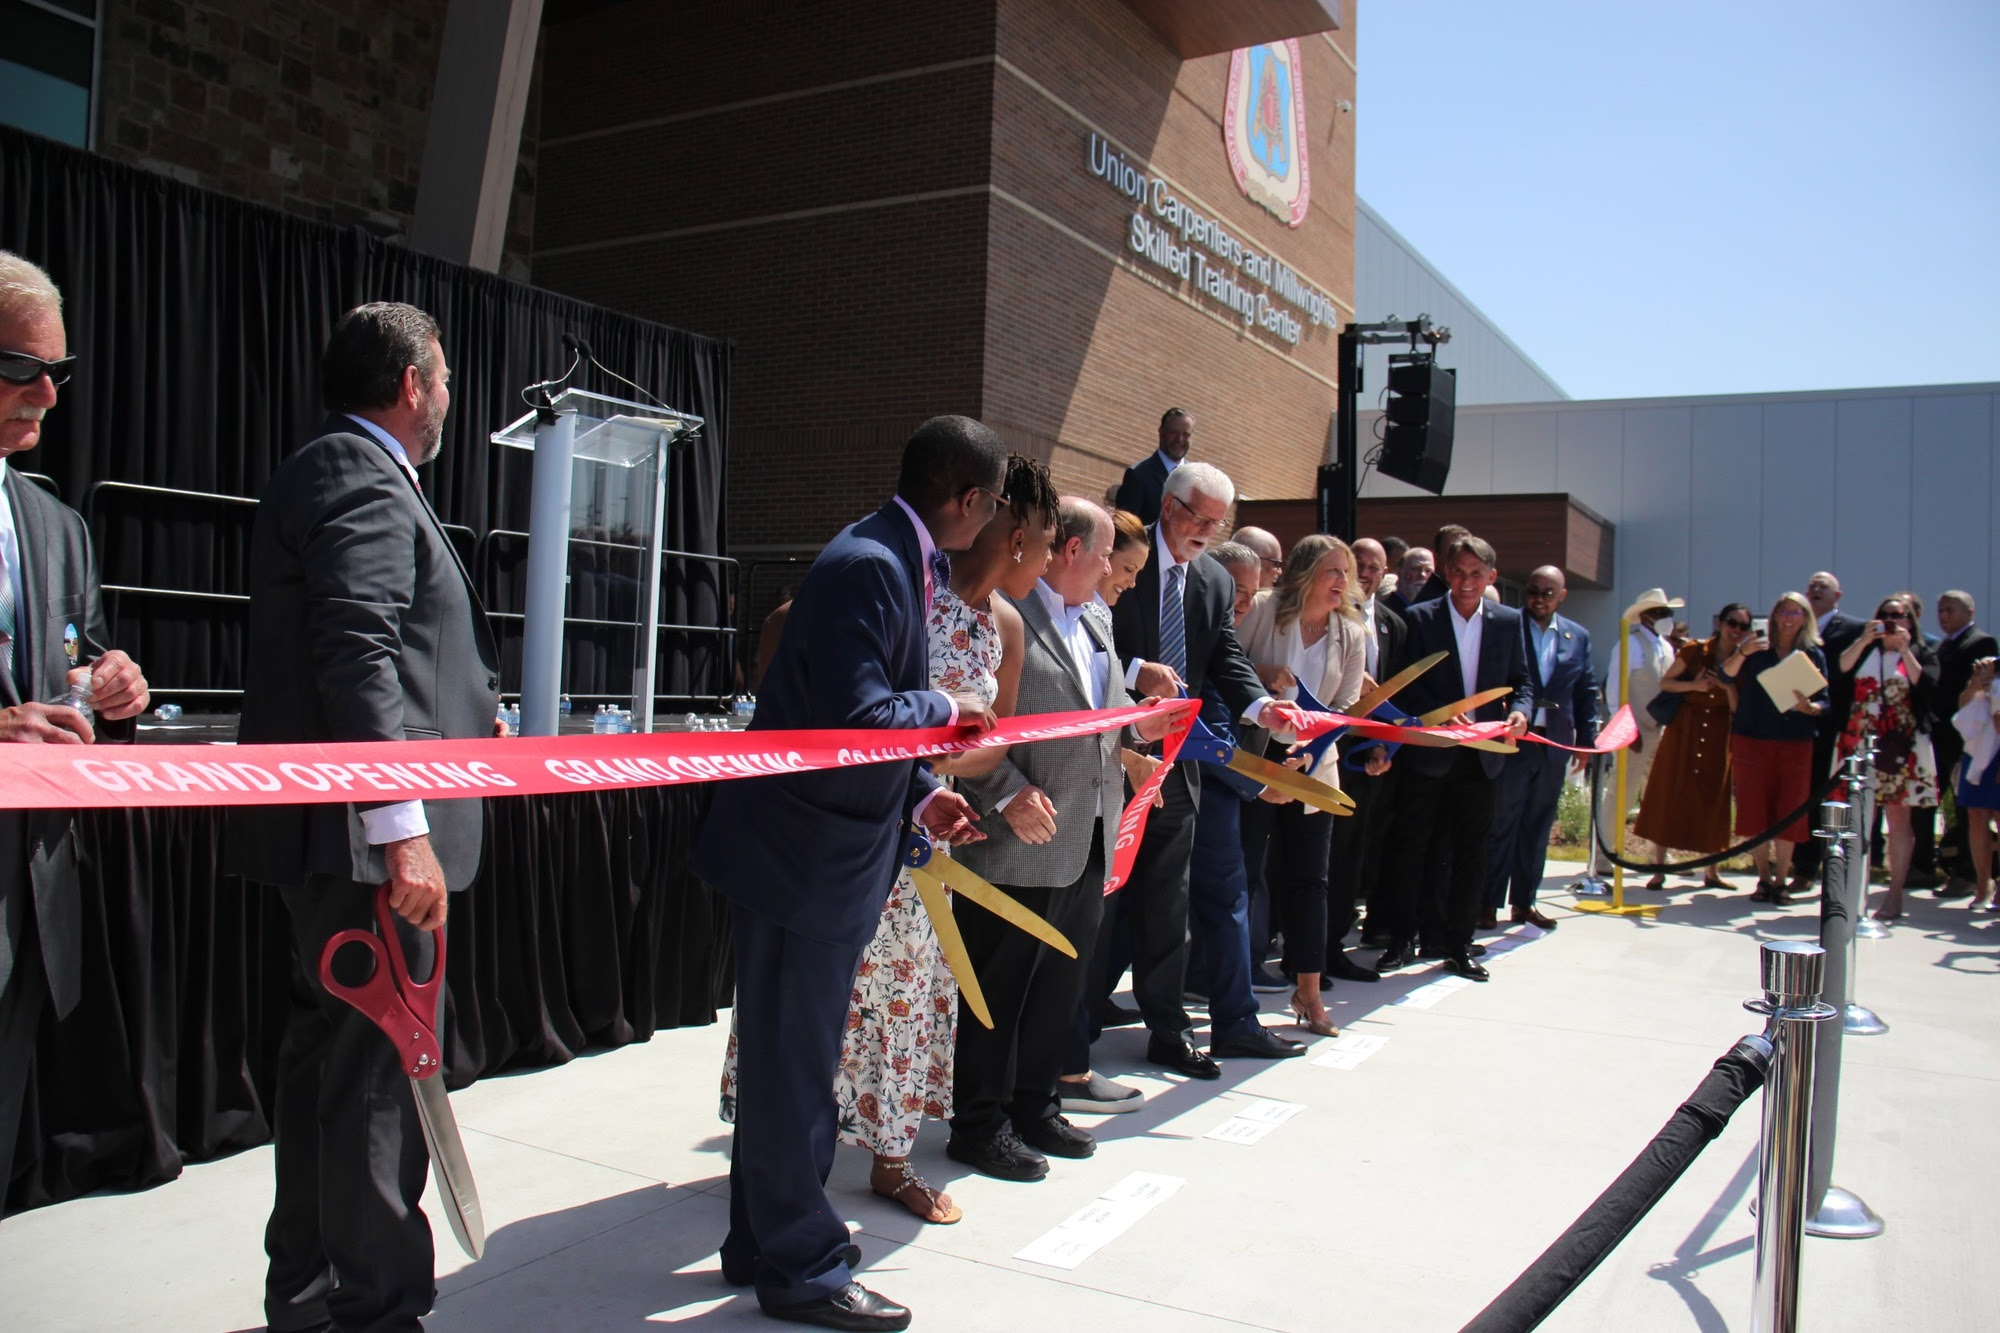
x=902, y=1017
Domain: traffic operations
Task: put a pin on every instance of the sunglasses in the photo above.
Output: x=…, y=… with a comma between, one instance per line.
x=1541, y=592
x=1737, y=624
x=1894, y=615
x=20, y=368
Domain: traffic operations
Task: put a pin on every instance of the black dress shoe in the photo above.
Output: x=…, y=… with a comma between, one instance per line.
x=1111, y=1014
x=1179, y=1054
x=853, y=1306
x=1257, y=1045
x=1343, y=968
x=1003, y=1156
x=743, y=1277
x=1528, y=916
x=1058, y=1138
x=1489, y=920
x=1396, y=957
x=1465, y=967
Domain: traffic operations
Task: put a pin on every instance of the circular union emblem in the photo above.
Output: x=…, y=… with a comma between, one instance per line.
x=1264, y=129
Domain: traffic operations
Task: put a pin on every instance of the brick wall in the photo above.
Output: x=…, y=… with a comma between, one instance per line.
x=319, y=107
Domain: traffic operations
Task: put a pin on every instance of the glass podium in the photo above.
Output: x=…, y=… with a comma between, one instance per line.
x=599, y=497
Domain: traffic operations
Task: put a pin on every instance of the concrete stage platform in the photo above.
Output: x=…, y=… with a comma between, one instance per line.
x=1407, y=1192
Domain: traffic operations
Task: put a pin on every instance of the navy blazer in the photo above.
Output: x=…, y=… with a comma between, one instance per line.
x=1503, y=660
x=817, y=852
x=1145, y=482
x=1570, y=693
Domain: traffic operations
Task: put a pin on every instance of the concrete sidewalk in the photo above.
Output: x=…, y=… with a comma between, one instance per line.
x=1405, y=1195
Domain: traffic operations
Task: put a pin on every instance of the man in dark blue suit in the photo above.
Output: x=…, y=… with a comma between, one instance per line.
x=1146, y=480
x=1524, y=810
x=807, y=860
x=1445, y=807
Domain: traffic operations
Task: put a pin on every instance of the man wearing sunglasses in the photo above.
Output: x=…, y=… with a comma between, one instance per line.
x=50, y=624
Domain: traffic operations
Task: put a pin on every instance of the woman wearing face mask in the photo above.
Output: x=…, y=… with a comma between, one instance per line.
x=1771, y=744
x=1894, y=675
x=1686, y=805
x=1305, y=629
x=896, y=1059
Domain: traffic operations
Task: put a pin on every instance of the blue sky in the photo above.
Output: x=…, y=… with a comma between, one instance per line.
x=1704, y=197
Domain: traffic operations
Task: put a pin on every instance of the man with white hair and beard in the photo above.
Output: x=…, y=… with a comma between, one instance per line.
x=1180, y=615
x=50, y=626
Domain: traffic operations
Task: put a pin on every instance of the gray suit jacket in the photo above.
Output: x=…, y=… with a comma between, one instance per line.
x=364, y=626
x=38, y=847
x=1076, y=773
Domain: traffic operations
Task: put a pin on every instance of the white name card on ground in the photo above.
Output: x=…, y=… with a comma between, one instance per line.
x=1348, y=1050
x=1100, y=1222
x=1254, y=1120
x=1424, y=997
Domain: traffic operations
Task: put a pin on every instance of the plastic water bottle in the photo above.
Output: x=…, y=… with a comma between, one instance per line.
x=77, y=695
x=514, y=718
x=168, y=712
x=601, y=724
x=565, y=706
x=624, y=721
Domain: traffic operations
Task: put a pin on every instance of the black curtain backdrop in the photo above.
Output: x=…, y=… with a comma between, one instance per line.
x=199, y=321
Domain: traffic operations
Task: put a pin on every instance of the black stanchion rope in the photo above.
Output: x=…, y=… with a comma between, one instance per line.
x=1702, y=862
x=1561, y=1268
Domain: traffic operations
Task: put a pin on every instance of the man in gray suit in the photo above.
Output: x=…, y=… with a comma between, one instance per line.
x=1059, y=803
x=50, y=625
x=363, y=627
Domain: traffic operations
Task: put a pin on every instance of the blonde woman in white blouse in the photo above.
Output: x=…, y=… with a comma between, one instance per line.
x=1305, y=629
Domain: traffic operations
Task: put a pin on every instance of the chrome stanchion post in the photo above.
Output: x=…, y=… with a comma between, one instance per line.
x=1840, y=926
x=1832, y=1211
x=1792, y=973
x=1592, y=885
x=1860, y=779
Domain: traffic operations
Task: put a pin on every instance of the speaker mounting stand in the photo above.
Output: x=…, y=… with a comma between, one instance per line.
x=1340, y=483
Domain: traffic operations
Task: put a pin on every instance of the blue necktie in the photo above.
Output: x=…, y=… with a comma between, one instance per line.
x=1173, y=623
x=7, y=617
x=940, y=573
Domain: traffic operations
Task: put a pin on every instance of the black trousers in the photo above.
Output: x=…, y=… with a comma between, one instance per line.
x=1953, y=852
x=346, y=1239
x=1443, y=822
x=1805, y=856
x=1153, y=908
x=1008, y=1075
x=1355, y=852
x=21, y=1004
x=1289, y=843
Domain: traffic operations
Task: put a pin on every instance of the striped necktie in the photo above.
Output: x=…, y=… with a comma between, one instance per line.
x=6, y=617
x=1173, y=622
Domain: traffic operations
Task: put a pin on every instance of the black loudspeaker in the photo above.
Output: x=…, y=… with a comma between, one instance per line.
x=1416, y=440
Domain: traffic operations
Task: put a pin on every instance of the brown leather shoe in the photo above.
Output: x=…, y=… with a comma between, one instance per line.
x=1528, y=916
x=1489, y=920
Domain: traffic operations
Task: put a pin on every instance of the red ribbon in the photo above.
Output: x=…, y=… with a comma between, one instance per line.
x=54, y=777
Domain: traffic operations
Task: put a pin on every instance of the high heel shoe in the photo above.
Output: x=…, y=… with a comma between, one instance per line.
x=1319, y=1027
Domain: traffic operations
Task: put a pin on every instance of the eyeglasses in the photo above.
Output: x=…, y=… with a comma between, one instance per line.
x=1201, y=522
x=1539, y=593
x=1737, y=624
x=1269, y=563
x=1000, y=500
x=20, y=368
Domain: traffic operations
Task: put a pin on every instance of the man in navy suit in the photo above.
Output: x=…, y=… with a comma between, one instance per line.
x=1524, y=809
x=807, y=860
x=1837, y=630
x=1146, y=480
x=1445, y=807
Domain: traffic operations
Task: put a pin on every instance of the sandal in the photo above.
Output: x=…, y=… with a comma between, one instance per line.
x=914, y=1193
x=1656, y=883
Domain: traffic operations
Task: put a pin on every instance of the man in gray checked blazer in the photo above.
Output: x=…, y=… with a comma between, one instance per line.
x=1059, y=801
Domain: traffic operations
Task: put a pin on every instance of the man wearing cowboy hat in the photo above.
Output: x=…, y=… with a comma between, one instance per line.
x=1651, y=617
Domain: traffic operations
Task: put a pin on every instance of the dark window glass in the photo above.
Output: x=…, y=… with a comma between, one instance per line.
x=45, y=67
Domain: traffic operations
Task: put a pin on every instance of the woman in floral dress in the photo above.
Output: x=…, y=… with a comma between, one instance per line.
x=902, y=1020
x=1894, y=673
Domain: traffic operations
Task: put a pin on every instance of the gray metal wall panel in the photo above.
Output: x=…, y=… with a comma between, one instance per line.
x=1392, y=278
x=1740, y=498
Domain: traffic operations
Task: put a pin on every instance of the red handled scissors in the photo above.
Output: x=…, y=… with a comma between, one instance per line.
x=406, y=1011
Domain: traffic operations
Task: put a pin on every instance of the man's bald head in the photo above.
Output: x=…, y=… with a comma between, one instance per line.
x=1270, y=554
x=1543, y=593
x=1823, y=591
x=1371, y=564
